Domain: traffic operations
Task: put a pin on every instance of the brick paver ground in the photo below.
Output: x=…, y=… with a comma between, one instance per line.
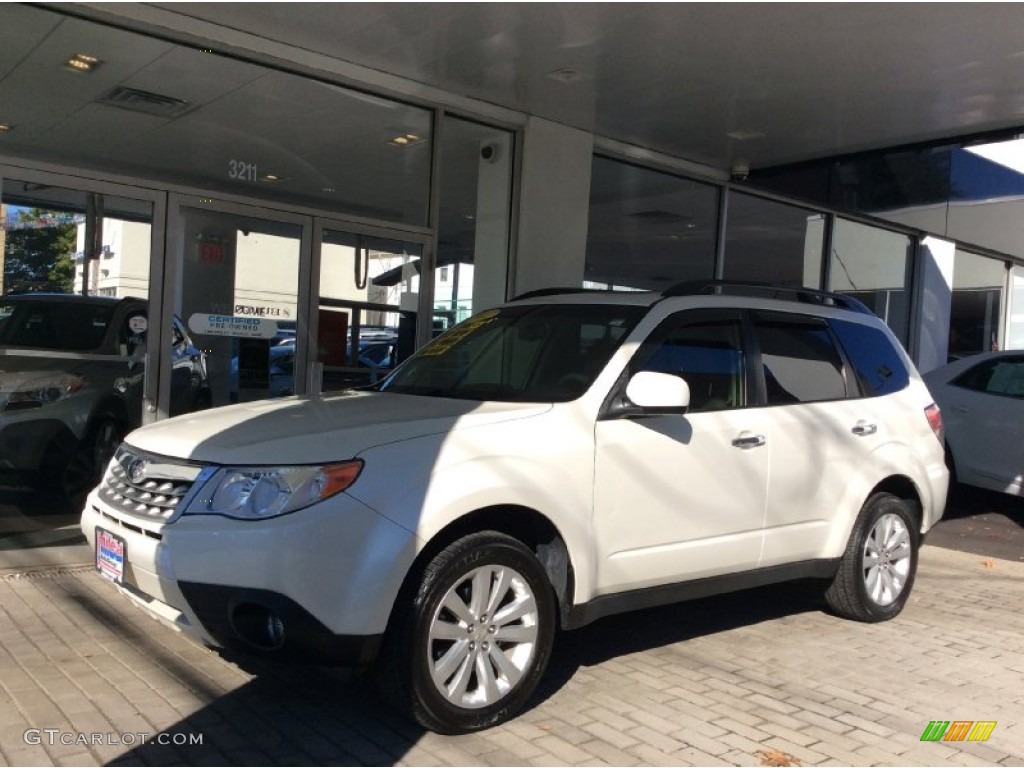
x=763, y=677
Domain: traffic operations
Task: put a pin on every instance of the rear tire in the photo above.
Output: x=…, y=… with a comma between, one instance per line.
x=876, y=572
x=466, y=649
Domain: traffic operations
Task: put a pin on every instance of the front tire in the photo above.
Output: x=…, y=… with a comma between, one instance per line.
x=468, y=650
x=84, y=468
x=877, y=569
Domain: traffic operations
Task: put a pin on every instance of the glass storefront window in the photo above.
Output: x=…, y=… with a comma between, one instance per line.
x=368, y=303
x=238, y=295
x=193, y=117
x=771, y=242
x=873, y=265
x=473, y=224
x=977, y=304
x=648, y=230
x=986, y=206
x=73, y=329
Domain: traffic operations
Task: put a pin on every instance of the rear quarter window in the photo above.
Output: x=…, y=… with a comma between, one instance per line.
x=877, y=364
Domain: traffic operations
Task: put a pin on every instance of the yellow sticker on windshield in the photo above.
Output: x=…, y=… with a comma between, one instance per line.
x=446, y=341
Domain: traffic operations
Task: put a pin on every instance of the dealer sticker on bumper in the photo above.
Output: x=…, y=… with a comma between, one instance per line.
x=110, y=552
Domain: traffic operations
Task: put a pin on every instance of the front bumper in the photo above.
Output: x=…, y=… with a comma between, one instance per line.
x=315, y=585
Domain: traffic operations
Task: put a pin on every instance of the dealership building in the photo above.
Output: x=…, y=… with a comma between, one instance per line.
x=343, y=170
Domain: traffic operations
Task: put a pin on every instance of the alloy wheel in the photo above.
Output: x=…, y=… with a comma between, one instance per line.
x=483, y=636
x=887, y=559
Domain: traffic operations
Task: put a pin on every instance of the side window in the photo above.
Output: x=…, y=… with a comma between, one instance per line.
x=800, y=362
x=708, y=355
x=877, y=364
x=995, y=377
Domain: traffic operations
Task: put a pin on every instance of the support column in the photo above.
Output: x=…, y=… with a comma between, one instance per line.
x=554, y=206
x=935, y=302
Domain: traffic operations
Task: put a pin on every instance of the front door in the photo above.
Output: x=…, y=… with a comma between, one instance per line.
x=235, y=306
x=684, y=494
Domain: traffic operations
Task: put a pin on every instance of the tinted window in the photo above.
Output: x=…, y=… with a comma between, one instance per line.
x=529, y=353
x=876, y=363
x=995, y=377
x=800, y=362
x=66, y=326
x=709, y=356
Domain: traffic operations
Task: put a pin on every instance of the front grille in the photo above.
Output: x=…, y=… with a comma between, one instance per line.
x=146, y=486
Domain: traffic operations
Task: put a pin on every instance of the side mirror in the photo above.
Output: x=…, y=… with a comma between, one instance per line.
x=658, y=393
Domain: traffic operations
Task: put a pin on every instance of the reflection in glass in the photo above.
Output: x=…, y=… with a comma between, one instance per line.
x=648, y=230
x=978, y=287
x=194, y=117
x=73, y=330
x=369, y=293
x=770, y=242
x=237, y=294
x=987, y=200
x=908, y=186
x=874, y=266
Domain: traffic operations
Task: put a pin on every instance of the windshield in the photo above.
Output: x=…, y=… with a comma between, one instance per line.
x=530, y=353
x=64, y=326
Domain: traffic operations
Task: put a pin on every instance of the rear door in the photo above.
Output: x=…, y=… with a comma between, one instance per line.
x=819, y=437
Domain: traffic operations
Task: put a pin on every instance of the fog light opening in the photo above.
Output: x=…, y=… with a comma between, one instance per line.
x=258, y=626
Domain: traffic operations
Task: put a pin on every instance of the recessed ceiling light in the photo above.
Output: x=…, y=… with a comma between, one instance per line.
x=406, y=140
x=82, y=62
x=565, y=75
x=6, y=127
x=742, y=135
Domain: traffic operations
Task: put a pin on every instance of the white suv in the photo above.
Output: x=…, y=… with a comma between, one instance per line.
x=541, y=465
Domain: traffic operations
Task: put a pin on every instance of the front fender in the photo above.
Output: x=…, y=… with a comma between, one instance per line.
x=426, y=484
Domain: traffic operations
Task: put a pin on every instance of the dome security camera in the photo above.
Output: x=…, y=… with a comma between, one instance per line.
x=740, y=171
x=489, y=153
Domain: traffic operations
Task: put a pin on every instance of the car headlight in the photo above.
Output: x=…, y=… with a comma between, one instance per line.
x=256, y=493
x=40, y=391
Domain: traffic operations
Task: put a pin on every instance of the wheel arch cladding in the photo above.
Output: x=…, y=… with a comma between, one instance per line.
x=527, y=525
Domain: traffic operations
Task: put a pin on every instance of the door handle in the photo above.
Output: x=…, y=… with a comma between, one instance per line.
x=748, y=440
x=862, y=428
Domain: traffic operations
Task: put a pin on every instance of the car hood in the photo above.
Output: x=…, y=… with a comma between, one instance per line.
x=310, y=430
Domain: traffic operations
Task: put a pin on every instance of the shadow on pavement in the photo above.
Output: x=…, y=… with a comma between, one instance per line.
x=981, y=522
x=298, y=715
x=38, y=530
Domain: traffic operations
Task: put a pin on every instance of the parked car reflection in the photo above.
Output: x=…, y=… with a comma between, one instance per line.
x=982, y=402
x=71, y=374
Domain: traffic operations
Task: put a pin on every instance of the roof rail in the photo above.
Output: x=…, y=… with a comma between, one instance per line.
x=556, y=292
x=803, y=295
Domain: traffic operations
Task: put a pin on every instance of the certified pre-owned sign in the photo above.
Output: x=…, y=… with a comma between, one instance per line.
x=229, y=325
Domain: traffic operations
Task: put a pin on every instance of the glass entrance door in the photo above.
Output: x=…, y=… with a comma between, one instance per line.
x=235, y=305
x=368, y=305
x=75, y=273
